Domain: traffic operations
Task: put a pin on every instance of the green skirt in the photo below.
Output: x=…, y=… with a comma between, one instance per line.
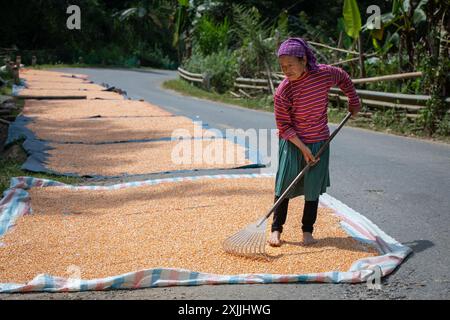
x=291, y=162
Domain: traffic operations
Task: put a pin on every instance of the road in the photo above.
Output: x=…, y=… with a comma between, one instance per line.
x=401, y=184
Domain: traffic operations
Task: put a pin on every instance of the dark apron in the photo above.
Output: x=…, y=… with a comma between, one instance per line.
x=291, y=162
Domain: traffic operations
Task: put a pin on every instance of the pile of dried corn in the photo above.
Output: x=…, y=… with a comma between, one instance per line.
x=91, y=94
x=78, y=109
x=97, y=121
x=113, y=129
x=145, y=157
x=42, y=84
x=171, y=225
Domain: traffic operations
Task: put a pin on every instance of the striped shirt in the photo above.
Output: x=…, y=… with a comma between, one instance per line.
x=301, y=105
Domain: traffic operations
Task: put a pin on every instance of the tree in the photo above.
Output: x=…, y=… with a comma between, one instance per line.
x=257, y=40
x=352, y=23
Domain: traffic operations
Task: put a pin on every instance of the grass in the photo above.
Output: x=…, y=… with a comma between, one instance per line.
x=19, y=104
x=10, y=168
x=382, y=121
x=6, y=90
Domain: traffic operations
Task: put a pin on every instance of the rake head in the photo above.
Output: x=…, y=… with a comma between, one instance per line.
x=249, y=242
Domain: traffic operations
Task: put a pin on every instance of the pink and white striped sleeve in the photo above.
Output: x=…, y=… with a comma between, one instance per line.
x=341, y=79
x=282, y=108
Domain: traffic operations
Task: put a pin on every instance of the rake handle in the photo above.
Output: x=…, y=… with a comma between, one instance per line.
x=305, y=169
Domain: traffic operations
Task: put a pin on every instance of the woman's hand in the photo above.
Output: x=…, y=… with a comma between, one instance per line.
x=308, y=156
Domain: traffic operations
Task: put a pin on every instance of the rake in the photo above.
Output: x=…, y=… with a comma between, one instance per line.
x=251, y=241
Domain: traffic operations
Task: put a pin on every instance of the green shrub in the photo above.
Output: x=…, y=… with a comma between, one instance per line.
x=221, y=67
x=443, y=127
x=222, y=70
x=155, y=57
x=195, y=63
x=109, y=55
x=211, y=37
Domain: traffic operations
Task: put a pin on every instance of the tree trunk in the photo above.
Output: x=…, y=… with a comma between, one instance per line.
x=410, y=49
x=362, y=69
x=400, y=53
x=339, y=45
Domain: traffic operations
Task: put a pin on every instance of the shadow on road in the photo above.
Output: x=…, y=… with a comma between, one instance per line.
x=419, y=245
x=416, y=246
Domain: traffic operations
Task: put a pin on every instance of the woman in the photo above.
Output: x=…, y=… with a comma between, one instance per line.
x=300, y=105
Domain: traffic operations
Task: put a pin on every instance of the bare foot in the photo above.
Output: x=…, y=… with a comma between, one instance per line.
x=274, y=240
x=308, y=239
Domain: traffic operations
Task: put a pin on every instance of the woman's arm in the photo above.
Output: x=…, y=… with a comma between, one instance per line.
x=341, y=79
x=282, y=110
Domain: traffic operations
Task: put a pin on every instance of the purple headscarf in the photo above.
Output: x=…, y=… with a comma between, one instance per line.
x=298, y=47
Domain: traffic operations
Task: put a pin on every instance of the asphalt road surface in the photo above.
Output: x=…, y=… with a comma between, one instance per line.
x=401, y=184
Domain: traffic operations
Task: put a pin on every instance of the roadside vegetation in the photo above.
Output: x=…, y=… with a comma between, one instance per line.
x=226, y=40
x=229, y=41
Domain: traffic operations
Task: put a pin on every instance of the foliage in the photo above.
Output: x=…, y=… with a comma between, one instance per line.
x=211, y=37
x=258, y=42
x=303, y=26
x=106, y=35
x=352, y=18
x=195, y=62
x=181, y=26
x=221, y=67
x=405, y=20
x=155, y=57
x=434, y=119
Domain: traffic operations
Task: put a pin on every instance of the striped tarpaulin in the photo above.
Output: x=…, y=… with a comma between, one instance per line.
x=16, y=202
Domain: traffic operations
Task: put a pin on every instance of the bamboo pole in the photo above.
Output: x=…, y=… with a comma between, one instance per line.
x=194, y=75
x=245, y=93
x=381, y=104
x=190, y=78
x=332, y=48
x=248, y=86
x=234, y=94
x=274, y=75
x=362, y=69
x=269, y=77
x=389, y=77
x=249, y=80
x=255, y=81
x=416, y=99
x=353, y=59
